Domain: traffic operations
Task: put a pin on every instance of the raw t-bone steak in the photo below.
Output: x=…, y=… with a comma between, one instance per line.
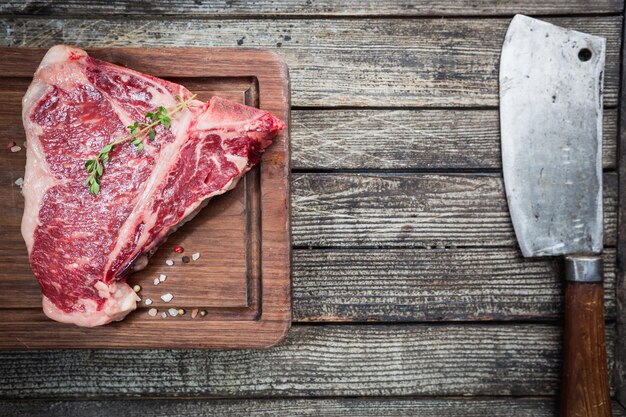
x=82, y=245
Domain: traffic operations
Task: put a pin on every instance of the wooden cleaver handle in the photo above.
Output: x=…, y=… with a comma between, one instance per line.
x=585, y=391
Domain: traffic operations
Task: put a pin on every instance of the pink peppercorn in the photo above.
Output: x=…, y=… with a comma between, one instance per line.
x=179, y=249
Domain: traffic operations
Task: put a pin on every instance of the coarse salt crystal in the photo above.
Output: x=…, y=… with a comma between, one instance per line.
x=162, y=277
x=156, y=281
x=19, y=182
x=148, y=301
x=173, y=312
x=169, y=262
x=194, y=313
x=167, y=297
x=195, y=256
x=152, y=312
x=16, y=148
x=164, y=314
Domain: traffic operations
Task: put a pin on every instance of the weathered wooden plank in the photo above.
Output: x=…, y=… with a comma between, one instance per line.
x=319, y=8
x=340, y=407
x=431, y=285
x=408, y=139
x=519, y=359
x=339, y=62
x=392, y=210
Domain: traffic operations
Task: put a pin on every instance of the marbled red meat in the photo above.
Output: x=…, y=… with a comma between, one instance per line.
x=81, y=246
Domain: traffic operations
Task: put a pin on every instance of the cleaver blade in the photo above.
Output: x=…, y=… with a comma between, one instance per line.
x=551, y=129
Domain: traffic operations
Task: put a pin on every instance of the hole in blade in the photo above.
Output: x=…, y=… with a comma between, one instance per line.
x=584, y=54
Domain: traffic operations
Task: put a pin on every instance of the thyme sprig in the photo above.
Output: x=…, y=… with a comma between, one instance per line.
x=139, y=131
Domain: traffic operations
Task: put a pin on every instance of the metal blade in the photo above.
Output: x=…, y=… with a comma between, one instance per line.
x=551, y=126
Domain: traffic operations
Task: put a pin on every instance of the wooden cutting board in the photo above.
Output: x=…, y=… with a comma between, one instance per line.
x=242, y=278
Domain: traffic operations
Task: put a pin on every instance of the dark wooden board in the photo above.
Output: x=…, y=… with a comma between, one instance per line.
x=365, y=139
x=242, y=278
x=330, y=360
x=408, y=285
x=303, y=407
x=340, y=62
x=360, y=8
x=411, y=210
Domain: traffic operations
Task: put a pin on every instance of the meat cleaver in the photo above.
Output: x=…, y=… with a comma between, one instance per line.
x=551, y=126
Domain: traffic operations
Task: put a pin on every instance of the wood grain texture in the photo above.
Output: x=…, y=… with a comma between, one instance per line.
x=411, y=210
x=369, y=285
x=340, y=62
x=409, y=139
x=243, y=276
x=585, y=386
x=318, y=8
x=340, y=407
x=516, y=359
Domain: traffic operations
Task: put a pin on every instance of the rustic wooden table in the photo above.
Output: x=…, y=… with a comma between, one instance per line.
x=410, y=297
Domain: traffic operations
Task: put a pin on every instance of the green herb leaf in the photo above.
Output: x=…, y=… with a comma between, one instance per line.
x=133, y=128
x=94, y=188
x=152, y=134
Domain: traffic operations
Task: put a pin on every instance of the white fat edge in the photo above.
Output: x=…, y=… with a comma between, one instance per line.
x=54, y=70
x=37, y=176
x=59, y=71
x=120, y=299
x=207, y=123
x=60, y=53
